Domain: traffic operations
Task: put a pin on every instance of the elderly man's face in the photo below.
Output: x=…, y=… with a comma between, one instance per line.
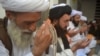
x=21, y=26
x=64, y=21
x=26, y=20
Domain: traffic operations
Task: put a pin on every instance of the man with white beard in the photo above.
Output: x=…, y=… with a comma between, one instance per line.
x=17, y=28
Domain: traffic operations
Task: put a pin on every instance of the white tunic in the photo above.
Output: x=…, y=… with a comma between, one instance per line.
x=16, y=51
x=27, y=52
x=75, y=38
x=78, y=37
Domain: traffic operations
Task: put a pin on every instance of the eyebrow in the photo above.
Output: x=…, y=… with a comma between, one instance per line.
x=31, y=21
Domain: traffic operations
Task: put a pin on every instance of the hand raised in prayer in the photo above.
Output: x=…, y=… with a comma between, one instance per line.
x=83, y=29
x=42, y=40
x=80, y=44
x=84, y=43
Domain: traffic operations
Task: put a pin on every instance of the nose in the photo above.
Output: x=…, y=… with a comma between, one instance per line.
x=32, y=27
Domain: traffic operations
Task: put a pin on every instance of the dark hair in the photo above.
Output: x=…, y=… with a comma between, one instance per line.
x=57, y=12
x=62, y=34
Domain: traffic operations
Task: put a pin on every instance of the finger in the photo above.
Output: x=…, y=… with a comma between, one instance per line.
x=46, y=35
x=38, y=35
x=86, y=43
x=40, y=31
x=46, y=41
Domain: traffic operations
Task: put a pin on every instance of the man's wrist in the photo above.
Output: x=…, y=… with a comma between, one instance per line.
x=36, y=53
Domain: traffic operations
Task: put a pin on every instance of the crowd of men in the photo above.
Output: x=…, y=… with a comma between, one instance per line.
x=66, y=32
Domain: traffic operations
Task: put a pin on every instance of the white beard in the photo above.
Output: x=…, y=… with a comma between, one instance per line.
x=20, y=39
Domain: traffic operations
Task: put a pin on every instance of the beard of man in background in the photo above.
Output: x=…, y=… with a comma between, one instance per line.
x=20, y=38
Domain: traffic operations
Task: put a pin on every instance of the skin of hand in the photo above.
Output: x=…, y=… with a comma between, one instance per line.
x=72, y=33
x=84, y=43
x=83, y=29
x=42, y=40
x=80, y=44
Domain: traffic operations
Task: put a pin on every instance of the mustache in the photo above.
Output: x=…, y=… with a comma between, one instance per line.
x=26, y=31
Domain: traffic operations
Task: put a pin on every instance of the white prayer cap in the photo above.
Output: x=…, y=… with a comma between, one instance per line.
x=93, y=21
x=75, y=12
x=54, y=6
x=25, y=5
x=83, y=18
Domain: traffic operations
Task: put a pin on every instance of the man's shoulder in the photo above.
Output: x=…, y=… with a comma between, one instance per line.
x=71, y=25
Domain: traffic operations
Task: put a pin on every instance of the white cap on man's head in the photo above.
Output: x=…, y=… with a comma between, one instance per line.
x=25, y=5
x=93, y=21
x=75, y=12
x=62, y=4
x=83, y=18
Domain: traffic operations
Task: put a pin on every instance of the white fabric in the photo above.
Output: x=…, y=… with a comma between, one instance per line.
x=27, y=52
x=86, y=50
x=21, y=52
x=80, y=52
x=65, y=52
x=3, y=50
x=70, y=26
x=16, y=51
x=83, y=18
x=75, y=12
x=25, y=5
x=92, y=43
x=75, y=38
x=93, y=21
x=62, y=4
x=61, y=44
x=83, y=52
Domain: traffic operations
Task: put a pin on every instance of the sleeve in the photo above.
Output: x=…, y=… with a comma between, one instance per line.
x=92, y=43
x=3, y=50
x=63, y=52
x=29, y=54
x=66, y=52
x=70, y=26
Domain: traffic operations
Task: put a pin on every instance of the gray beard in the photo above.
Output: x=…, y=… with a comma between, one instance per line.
x=19, y=39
